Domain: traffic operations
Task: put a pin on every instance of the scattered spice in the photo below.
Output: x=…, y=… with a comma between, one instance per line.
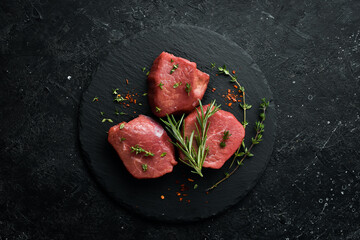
x=157, y=109
x=144, y=167
x=127, y=81
x=147, y=73
x=162, y=197
x=143, y=69
x=195, y=186
x=163, y=154
x=190, y=180
x=95, y=99
x=144, y=94
x=233, y=71
x=213, y=89
x=122, y=125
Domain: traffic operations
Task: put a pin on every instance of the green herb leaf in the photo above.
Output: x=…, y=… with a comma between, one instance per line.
x=213, y=65
x=195, y=186
x=122, y=125
x=147, y=73
x=144, y=94
x=171, y=60
x=163, y=154
x=114, y=91
x=107, y=119
x=177, y=84
x=143, y=69
x=144, y=167
x=161, y=85
x=95, y=99
x=102, y=113
x=188, y=88
x=157, y=109
x=122, y=139
x=175, y=66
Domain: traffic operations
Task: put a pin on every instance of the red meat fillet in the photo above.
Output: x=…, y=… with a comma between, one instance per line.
x=145, y=133
x=175, y=85
x=220, y=122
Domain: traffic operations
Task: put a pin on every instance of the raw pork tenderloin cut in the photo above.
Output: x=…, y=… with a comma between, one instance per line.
x=145, y=133
x=220, y=122
x=175, y=85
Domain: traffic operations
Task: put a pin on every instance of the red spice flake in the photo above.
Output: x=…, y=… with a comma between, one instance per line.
x=233, y=71
x=184, y=194
x=128, y=105
x=230, y=104
x=135, y=101
x=213, y=89
x=180, y=199
x=206, y=201
x=235, y=86
x=127, y=81
x=182, y=185
x=178, y=193
x=169, y=189
x=162, y=197
x=229, y=90
x=207, y=192
x=190, y=180
x=217, y=74
x=188, y=200
x=134, y=111
x=177, y=181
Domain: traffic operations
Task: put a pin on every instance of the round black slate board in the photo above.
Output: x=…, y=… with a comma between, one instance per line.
x=126, y=62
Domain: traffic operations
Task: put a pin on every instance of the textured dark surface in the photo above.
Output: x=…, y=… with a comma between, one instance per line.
x=126, y=61
x=309, y=53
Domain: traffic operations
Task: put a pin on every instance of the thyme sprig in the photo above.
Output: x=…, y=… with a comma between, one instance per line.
x=223, y=70
x=138, y=150
x=259, y=128
x=193, y=158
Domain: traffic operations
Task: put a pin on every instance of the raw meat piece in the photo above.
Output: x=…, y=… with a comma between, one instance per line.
x=175, y=85
x=219, y=122
x=145, y=133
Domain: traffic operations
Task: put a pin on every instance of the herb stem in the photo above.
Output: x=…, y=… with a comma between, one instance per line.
x=259, y=127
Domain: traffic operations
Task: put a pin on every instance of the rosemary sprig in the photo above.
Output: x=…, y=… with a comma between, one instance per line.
x=193, y=158
x=259, y=128
x=138, y=150
x=244, y=106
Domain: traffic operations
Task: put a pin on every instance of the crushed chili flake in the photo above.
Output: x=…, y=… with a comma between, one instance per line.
x=128, y=105
x=230, y=104
x=184, y=194
x=162, y=197
x=235, y=86
x=127, y=81
x=188, y=200
x=206, y=201
x=180, y=199
x=190, y=180
x=178, y=193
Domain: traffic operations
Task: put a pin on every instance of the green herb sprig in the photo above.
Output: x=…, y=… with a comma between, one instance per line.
x=225, y=137
x=188, y=88
x=138, y=150
x=175, y=66
x=193, y=158
x=259, y=128
x=223, y=70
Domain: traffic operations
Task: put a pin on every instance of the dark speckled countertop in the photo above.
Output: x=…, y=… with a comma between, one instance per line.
x=309, y=52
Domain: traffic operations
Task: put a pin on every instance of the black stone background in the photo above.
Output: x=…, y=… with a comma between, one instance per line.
x=309, y=53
